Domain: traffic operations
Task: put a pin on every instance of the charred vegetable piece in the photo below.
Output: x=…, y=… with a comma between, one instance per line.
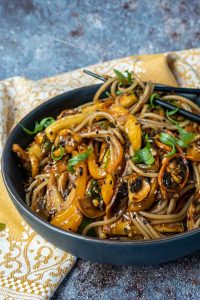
x=94, y=191
x=174, y=173
x=88, y=209
x=69, y=220
x=138, y=189
x=118, y=201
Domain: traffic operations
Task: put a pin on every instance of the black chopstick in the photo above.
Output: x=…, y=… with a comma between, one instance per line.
x=191, y=116
x=157, y=87
x=97, y=76
x=179, y=90
x=167, y=89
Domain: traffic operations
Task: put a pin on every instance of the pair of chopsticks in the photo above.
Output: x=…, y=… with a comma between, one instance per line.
x=165, y=89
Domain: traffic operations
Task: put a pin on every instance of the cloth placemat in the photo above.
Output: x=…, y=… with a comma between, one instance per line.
x=30, y=267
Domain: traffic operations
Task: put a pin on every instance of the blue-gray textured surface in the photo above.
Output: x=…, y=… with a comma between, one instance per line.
x=42, y=38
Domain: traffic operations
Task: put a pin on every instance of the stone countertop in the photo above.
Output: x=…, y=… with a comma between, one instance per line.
x=42, y=38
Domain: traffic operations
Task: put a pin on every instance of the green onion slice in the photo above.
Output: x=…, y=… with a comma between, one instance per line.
x=124, y=79
x=39, y=126
x=169, y=140
x=77, y=159
x=186, y=137
x=56, y=158
x=144, y=155
x=171, y=113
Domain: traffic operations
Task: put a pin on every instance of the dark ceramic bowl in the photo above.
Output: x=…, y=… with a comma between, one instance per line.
x=101, y=251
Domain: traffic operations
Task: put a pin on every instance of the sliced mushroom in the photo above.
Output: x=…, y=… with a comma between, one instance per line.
x=174, y=173
x=36, y=149
x=138, y=189
x=62, y=182
x=148, y=200
x=34, y=164
x=88, y=209
x=54, y=198
x=22, y=156
x=118, y=201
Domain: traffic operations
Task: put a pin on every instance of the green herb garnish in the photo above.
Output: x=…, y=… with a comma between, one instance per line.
x=153, y=97
x=144, y=155
x=185, y=139
x=168, y=140
x=119, y=92
x=124, y=79
x=171, y=113
x=39, y=126
x=56, y=158
x=77, y=159
x=108, y=94
x=2, y=226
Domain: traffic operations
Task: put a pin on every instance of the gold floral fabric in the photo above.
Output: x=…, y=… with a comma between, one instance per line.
x=30, y=267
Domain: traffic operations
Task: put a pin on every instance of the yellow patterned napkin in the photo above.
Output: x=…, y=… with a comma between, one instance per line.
x=30, y=267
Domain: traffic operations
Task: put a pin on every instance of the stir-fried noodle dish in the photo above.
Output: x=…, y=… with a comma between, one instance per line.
x=120, y=167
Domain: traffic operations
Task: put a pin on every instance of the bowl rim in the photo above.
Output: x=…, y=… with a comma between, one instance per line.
x=15, y=197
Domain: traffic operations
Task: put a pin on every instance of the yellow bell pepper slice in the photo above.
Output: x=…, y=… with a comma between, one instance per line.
x=64, y=123
x=127, y=100
x=95, y=171
x=68, y=220
x=134, y=132
x=107, y=188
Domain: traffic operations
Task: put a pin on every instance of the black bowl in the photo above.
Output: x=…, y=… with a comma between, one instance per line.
x=102, y=251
